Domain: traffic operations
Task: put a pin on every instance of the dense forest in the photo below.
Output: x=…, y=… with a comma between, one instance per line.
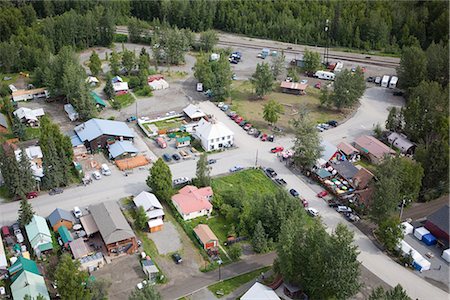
x=368, y=25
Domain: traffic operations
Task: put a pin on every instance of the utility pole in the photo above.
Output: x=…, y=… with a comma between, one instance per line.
x=401, y=210
x=256, y=159
x=325, y=50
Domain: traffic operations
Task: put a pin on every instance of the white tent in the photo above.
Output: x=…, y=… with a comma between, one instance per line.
x=407, y=228
x=420, y=232
x=260, y=292
x=160, y=84
x=422, y=264
x=446, y=255
x=404, y=247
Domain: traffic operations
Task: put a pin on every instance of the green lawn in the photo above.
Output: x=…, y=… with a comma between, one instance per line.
x=32, y=133
x=217, y=224
x=244, y=103
x=253, y=181
x=122, y=101
x=228, y=286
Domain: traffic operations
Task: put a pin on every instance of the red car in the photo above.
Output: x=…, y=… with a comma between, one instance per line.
x=277, y=149
x=322, y=194
x=304, y=202
x=234, y=117
x=29, y=195
x=238, y=120
x=264, y=137
x=247, y=126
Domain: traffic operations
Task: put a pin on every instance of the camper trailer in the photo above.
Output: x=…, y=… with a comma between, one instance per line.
x=324, y=75
x=385, y=81
x=393, y=82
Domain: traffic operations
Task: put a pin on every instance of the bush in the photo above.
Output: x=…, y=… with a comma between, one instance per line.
x=120, y=38
x=235, y=251
x=134, y=82
x=146, y=91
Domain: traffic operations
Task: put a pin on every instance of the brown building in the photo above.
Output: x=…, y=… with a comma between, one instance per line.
x=293, y=88
x=114, y=229
x=60, y=217
x=205, y=236
x=373, y=149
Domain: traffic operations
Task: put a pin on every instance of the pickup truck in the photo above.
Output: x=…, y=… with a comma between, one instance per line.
x=184, y=154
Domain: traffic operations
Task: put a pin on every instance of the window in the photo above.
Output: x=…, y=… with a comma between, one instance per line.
x=217, y=139
x=212, y=147
x=211, y=141
x=223, y=138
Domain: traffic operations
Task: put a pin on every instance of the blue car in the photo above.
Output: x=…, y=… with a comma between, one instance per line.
x=236, y=169
x=167, y=157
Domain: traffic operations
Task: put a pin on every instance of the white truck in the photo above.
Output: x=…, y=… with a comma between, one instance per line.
x=325, y=75
x=385, y=81
x=338, y=68
x=393, y=82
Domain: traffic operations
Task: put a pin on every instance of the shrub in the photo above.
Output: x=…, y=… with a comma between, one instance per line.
x=146, y=91
x=235, y=251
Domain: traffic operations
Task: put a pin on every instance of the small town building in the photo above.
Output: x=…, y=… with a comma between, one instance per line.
x=205, y=236
x=29, y=116
x=183, y=141
x=31, y=284
x=20, y=265
x=89, y=225
x=25, y=95
x=438, y=224
x=61, y=217
x=373, y=149
x=39, y=235
x=259, y=291
x=157, y=82
x=193, y=113
x=65, y=235
x=150, y=269
x=71, y=112
x=95, y=134
x=99, y=103
x=79, y=248
x=348, y=151
x=92, y=80
x=34, y=154
x=122, y=149
x=92, y=262
x=153, y=209
x=192, y=202
x=328, y=153
x=3, y=124
x=120, y=88
x=401, y=142
x=295, y=88
x=345, y=169
x=214, y=135
x=114, y=229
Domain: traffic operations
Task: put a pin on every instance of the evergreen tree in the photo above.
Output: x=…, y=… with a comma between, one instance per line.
x=203, y=177
x=128, y=60
x=144, y=60
x=235, y=251
x=208, y=40
x=25, y=212
x=114, y=63
x=140, y=218
x=109, y=88
x=262, y=80
x=394, y=120
x=348, y=88
x=259, y=239
x=397, y=293
x=307, y=143
x=19, y=129
x=160, y=180
x=278, y=65
x=27, y=182
x=73, y=281
x=413, y=67
x=312, y=61
x=95, y=64
x=272, y=110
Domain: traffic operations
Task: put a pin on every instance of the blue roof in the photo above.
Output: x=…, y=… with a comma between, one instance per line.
x=94, y=128
x=75, y=140
x=60, y=214
x=121, y=147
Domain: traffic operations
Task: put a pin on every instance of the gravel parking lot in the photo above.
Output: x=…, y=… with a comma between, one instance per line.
x=166, y=240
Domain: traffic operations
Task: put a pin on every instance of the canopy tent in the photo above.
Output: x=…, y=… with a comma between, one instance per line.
x=407, y=228
x=421, y=265
x=446, y=255
x=429, y=239
x=420, y=232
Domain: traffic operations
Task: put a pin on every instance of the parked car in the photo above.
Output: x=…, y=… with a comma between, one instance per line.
x=333, y=203
x=370, y=79
x=319, y=128
x=322, y=194
x=236, y=168
x=271, y=138
x=238, y=120
x=167, y=157
x=257, y=133
x=225, y=107
x=5, y=231
x=30, y=195
x=242, y=124
x=231, y=113
x=318, y=85
x=270, y=172
x=398, y=93
x=220, y=104
x=234, y=117
x=247, y=126
x=343, y=209
x=277, y=149
x=105, y=170
x=294, y=192
x=263, y=137
x=181, y=180
x=378, y=80
x=211, y=161
x=233, y=61
x=176, y=156
x=312, y=211
x=184, y=154
x=333, y=123
x=251, y=131
x=199, y=87
x=131, y=119
x=280, y=181
x=77, y=212
x=19, y=236
x=177, y=258
x=304, y=81
x=55, y=191
x=351, y=217
x=304, y=203
x=96, y=175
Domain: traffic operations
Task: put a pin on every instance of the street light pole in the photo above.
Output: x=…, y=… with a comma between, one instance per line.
x=325, y=51
x=401, y=210
x=220, y=263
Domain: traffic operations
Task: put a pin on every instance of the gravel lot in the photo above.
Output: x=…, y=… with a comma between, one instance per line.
x=167, y=240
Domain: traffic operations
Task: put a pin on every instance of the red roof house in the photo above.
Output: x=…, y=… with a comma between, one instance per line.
x=152, y=78
x=192, y=202
x=438, y=224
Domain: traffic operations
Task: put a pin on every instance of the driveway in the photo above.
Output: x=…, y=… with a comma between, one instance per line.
x=166, y=240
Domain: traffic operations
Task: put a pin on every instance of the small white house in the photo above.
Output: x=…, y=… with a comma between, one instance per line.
x=120, y=87
x=214, y=135
x=159, y=84
x=71, y=112
x=29, y=116
x=92, y=80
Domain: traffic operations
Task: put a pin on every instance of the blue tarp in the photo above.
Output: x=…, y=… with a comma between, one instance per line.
x=429, y=239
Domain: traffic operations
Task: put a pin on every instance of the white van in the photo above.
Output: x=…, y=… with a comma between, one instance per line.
x=385, y=81
x=393, y=82
x=324, y=75
x=105, y=170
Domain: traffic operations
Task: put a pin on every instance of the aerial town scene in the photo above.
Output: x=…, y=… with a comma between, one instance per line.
x=224, y=149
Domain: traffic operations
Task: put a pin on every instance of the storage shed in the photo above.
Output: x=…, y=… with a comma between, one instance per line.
x=205, y=236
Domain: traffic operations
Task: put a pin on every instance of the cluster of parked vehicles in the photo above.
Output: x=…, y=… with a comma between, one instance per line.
x=182, y=154
x=325, y=126
x=235, y=57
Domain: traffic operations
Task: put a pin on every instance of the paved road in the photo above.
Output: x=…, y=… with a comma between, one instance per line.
x=249, y=148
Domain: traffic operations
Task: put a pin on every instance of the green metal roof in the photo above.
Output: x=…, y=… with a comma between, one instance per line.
x=45, y=247
x=65, y=234
x=183, y=139
x=29, y=284
x=37, y=230
x=98, y=100
x=23, y=264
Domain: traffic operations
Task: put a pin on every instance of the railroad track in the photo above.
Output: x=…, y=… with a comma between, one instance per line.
x=362, y=61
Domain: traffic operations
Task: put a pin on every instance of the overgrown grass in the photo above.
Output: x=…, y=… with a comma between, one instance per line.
x=13, y=79
x=253, y=181
x=228, y=286
x=32, y=133
x=122, y=101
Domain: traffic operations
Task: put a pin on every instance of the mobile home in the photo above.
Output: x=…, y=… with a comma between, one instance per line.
x=324, y=75
x=385, y=81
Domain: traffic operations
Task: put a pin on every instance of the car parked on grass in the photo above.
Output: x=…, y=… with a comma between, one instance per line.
x=242, y=124
x=322, y=194
x=318, y=85
x=167, y=157
x=319, y=128
x=238, y=120
x=280, y=181
x=270, y=172
x=220, y=104
x=257, y=133
x=231, y=114
x=236, y=168
x=251, y=131
x=177, y=258
x=181, y=180
x=247, y=126
x=176, y=156
x=225, y=107
x=294, y=192
x=77, y=212
x=277, y=149
x=55, y=191
x=333, y=123
x=312, y=211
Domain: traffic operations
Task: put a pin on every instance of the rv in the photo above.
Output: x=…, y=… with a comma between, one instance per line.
x=385, y=81
x=339, y=66
x=393, y=82
x=324, y=75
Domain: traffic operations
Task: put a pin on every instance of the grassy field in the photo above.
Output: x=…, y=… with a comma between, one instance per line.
x=243, y=102
x=252, y=181
x=122, y=101
x=228, y=286
x=217, y=224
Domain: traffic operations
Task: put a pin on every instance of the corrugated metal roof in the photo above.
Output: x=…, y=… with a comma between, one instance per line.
x=147, y=201
x=65, y=234
x=98, y=100
x=95, y=128
x=121, y=147
x=38, y=227
x=60, y=214
x=29, y=284
x=3, y=121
